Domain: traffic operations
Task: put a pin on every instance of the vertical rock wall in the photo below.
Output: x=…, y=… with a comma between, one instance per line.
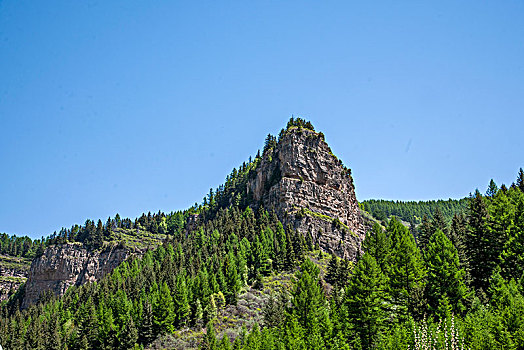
x=62, y=266
x=311, y=190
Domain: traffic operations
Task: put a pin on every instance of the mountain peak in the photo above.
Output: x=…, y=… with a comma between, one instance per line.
x=310, y=189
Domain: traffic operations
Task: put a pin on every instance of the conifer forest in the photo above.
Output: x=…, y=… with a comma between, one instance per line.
x=233, y=272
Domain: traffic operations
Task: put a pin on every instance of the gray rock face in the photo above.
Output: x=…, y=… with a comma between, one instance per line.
x=311, y=190
x=10, y=279
x=62, y=266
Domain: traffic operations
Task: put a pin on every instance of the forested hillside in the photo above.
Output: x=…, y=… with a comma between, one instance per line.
x=227, y=274
x=413, y=211
x=459, y=288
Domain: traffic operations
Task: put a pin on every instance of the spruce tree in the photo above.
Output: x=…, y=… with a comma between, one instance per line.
x=307, y=298
x=424, y=231
x=364, y=301
x=520, y=180
x=457, y=235
x=333, y=271
x=445, y=276
x=233, y=282
x=163, y=310
x=512, y=257
x=492, y=189
x=477, y=244
x=378, y=245
x=438, y=223
x=146, y=328
x=406, y=270
x=181, y=302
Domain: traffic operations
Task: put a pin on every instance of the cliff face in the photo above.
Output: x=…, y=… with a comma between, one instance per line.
x=65, y=265
x=13, y=272
x=311, y=190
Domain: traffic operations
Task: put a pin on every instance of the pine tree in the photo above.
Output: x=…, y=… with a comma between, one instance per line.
x=457, y=235
x=364, y=301
x=407, y=271
x=146, y=328
x=274, y=310
x=210, y=311
x=378, y=245
x=425, y=230
x=520, y=180
x=130, y=334
x=333, y=271
x=232, y=280
x=163, y=310
x=477, y=244
x=438, y=223
x=281, y=247
x=199, y=314
x=182, y=309
x=512, y=256
x=225, y=344
x=492, y=189
x=307, y=298
x=445, y=277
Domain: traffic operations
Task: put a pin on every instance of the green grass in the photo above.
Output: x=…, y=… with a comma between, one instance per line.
x=11, y=262
x=12, y=279
x=140, y=240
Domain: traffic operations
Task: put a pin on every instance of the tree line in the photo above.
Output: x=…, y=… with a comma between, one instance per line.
x=23, y=246
x=413, y=211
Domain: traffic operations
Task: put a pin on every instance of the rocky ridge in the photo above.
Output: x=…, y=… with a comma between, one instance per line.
x=62, y=266
x=311, y=190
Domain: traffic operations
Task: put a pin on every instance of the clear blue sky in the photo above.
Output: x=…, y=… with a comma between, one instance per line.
x=133, y=106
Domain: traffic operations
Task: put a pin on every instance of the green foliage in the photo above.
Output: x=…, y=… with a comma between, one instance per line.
x=365, y=300
x=406, y=269
x=411, y=211
x=299, y=123
x=445, y=278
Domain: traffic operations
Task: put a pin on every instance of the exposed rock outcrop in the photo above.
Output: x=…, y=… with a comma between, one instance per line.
x=13, y=272
x=62, y=266
x=10, y=281
x=311, y=190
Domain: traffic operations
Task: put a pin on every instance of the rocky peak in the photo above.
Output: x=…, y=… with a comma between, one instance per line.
x=310, y=189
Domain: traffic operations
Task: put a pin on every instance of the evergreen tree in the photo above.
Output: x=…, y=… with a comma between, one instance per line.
x=163, y=310
x=407, y=271
x=146, y=329
x=438, y=223
x=425, y=230
x=512, y=256
x=182, y=308
x=307, y=298
x=333, y=271
x=378, y=245
x=210, y=341
x=232, y=279
x=520, y=180
x=477, y=244
x=445, y=278
x=457, y=235
x=364, y=301
x=492, y=189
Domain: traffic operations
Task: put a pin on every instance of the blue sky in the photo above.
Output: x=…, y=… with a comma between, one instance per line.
x=135, y=106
